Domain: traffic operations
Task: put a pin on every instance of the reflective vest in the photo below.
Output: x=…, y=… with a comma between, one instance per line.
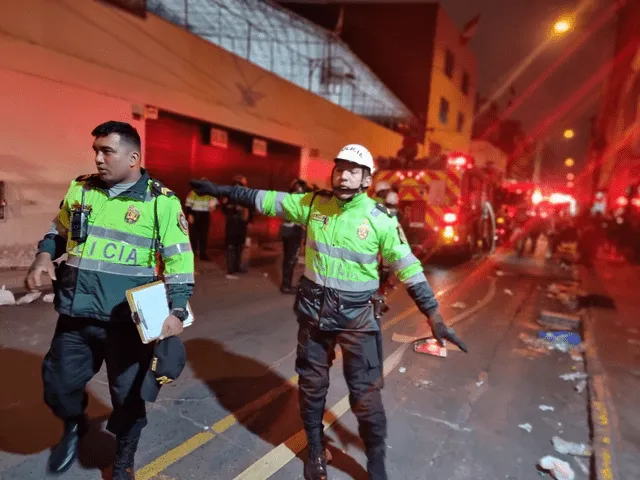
x=126, y=233
x=341, y=256
x=199, y=203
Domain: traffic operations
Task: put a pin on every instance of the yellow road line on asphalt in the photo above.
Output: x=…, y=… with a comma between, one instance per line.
x=172, y=456
x=279, y=456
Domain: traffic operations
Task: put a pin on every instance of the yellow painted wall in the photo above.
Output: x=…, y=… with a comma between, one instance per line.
x=448, y=37
x=67, y=65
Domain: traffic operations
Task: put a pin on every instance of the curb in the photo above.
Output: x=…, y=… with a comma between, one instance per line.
x=601, y=406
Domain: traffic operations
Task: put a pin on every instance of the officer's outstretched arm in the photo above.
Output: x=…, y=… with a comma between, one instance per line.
x=293, y=207
x=396, y=251
x=176, y=251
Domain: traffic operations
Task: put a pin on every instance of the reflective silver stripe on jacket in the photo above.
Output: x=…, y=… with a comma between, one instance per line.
x=339, y=284
x=342, y=253
x=113, y=268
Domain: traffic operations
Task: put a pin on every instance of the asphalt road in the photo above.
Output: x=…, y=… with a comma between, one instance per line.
x=233, y=412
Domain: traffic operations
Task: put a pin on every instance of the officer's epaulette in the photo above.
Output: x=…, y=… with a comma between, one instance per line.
x=384, y=209
x=85, y=178
x=157, y=188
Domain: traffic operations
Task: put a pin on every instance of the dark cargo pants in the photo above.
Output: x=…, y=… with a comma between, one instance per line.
x=363, y=372
x=78, y=348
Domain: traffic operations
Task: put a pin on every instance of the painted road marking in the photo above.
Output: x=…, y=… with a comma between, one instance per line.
x=172, y=456
x=278, y=457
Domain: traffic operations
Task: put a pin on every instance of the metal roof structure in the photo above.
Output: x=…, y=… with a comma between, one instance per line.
x=291, y=47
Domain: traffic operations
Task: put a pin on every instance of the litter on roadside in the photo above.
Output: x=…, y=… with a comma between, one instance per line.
x=28, y=298
x=546, y=408
x=571, y=448
x=402, y=369
x=580, y=386
x=508, y=292
x=559, y=469
x=423, y=383
x=460, y=305
x=526, y=426
x=430, y=346
x=558, y=321
x=572, y=377
x=48, y=298
x=499, y=273
x=6, y=297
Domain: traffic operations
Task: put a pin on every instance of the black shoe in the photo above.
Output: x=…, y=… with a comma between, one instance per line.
x=315, y=468
x=288, y=290
x=64, y=453
x=126, y=447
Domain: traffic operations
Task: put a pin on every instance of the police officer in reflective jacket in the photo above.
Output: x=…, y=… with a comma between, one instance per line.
x=346, y=231
x=112, y=225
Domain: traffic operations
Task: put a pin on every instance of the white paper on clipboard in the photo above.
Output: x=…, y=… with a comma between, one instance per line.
x=150, y=307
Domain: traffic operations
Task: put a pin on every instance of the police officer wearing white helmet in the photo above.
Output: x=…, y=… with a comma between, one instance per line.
x=346, y=230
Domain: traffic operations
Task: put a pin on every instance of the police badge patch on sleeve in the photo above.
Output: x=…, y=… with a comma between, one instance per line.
x=403, y=237
x=183, y=224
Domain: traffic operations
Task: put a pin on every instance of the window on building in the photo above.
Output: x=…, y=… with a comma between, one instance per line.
x=460, y=121
x=448, y=64
x=465, y=83
x=444, y=110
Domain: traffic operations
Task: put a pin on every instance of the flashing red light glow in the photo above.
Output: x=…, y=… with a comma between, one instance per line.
x=459, y=161
x=450, y=217
x=635, y=202
x=536, y=198
x=557, y=198
x=622, y=201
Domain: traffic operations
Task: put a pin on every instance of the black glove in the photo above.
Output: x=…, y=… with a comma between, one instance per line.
x=442, y=332
x=205, y=187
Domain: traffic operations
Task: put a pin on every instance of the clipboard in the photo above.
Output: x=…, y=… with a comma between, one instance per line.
x=149, y=308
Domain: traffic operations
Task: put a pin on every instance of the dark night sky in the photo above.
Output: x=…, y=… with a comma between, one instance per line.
x=509, y=30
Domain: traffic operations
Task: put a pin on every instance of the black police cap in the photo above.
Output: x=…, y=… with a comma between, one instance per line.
x=169, y=358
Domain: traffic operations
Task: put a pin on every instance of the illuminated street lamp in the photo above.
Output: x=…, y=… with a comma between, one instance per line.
x=561, y=26
x=568, y=133
x=569, y=162
x=570, y=176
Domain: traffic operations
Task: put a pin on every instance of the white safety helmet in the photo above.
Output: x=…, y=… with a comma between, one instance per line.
x=392, y=199
x=380, y=186
x=356, y=154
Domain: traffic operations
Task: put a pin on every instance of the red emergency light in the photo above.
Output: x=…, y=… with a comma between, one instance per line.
x=622, y=201
x=450, y=217
x=459, y=160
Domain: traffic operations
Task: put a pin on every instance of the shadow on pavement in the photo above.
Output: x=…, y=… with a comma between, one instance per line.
x=262, y=401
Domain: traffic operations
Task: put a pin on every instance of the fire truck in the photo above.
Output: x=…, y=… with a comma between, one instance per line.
x=446, y=202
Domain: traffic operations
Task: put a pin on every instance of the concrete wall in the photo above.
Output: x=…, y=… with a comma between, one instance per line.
x=67, y=65
x=448, y=37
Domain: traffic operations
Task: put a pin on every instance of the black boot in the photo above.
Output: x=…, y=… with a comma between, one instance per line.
x=287, y=290
x=64, y=453
x=315, y=468
x=126, y=447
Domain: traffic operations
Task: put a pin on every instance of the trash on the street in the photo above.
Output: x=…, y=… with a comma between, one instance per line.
x=460, y=305
x=28, y=298
x=580, y=386
x=430, y=346
x=6, y=297
x=559, y=469
x=571, y=448
x=546, y=408
x=563, y=336
x=423, y=383
x=581, y=464
x=526, y=426
x=576, y=356
x=48, y=298
x=499, y=273
x=402, y=369
x=508, y=292
x=572, y=377
x=558, y=321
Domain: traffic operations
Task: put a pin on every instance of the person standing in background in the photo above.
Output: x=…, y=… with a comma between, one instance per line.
x=198, y=209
